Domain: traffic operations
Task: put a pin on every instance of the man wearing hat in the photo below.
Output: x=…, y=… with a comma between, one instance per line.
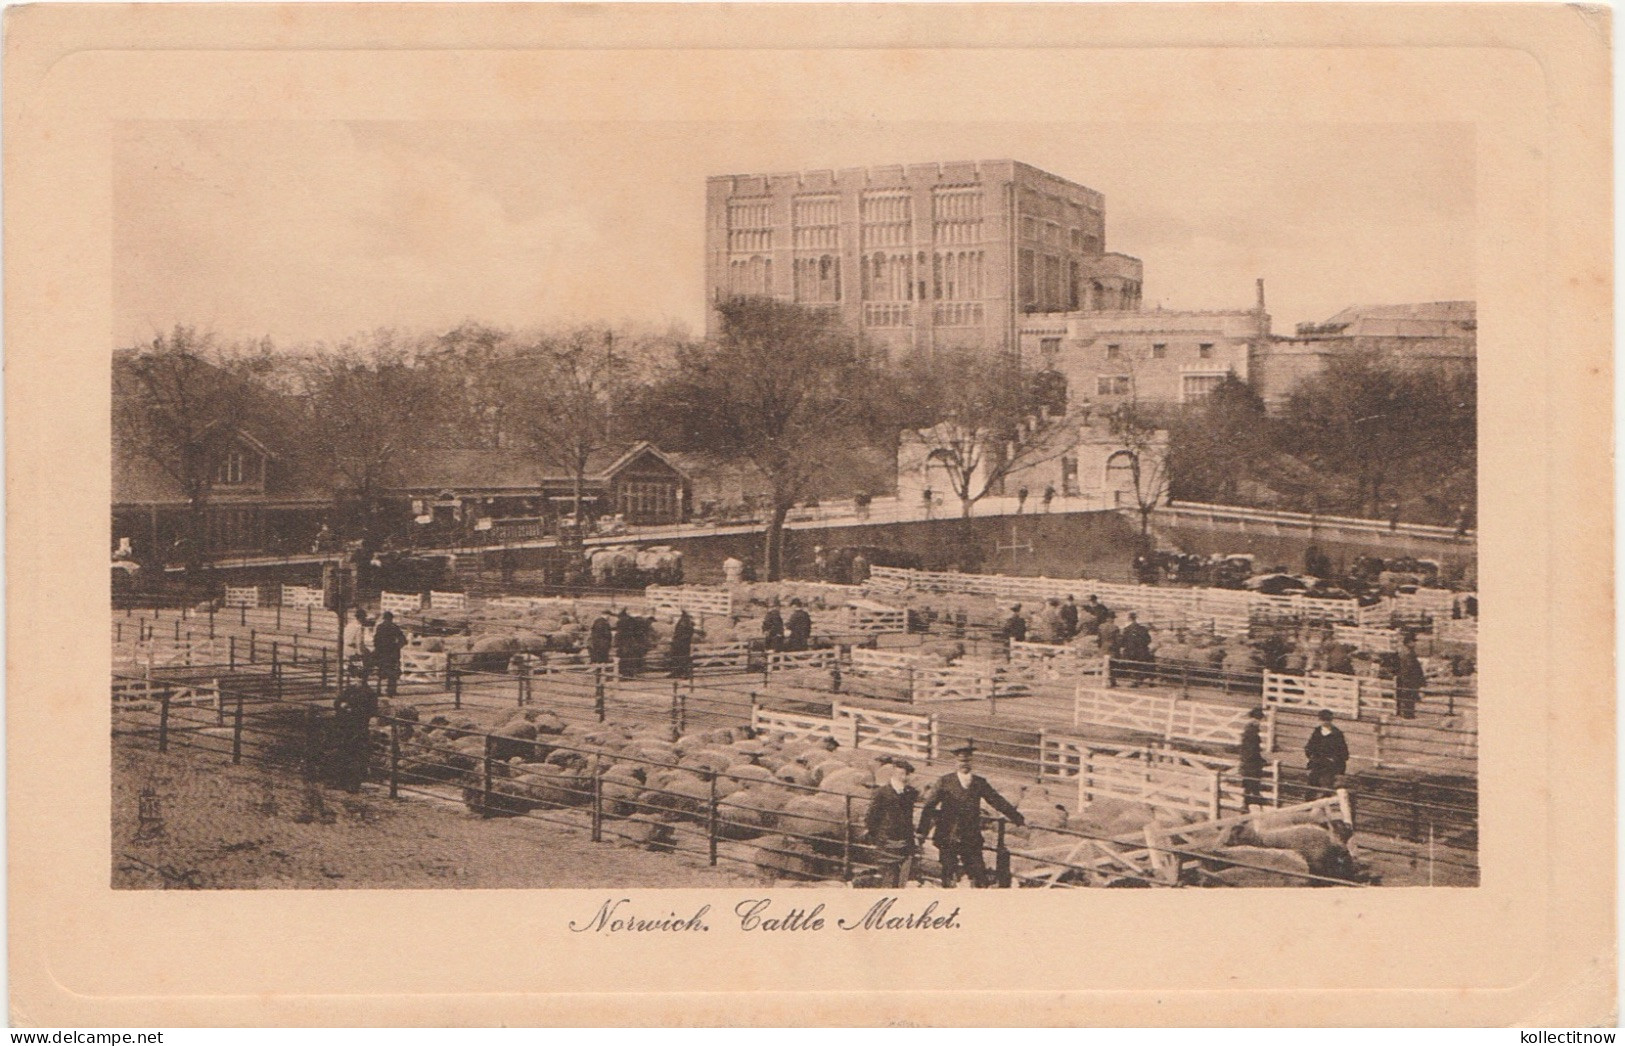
x=1252, y=762
x=1015, y=626
x=1328, y=753
x=889, y=825
x=798, y=629
x=955, y=809
x=600, y=637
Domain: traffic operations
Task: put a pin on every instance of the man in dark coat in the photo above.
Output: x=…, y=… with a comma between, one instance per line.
x=682, y=647
x=1069, y=618
x=798, y=630
x=1134, y=648
x=889, y=824
x=387, y=643
x=954, y=810
x=1015, y=626
x=1252, y=761
x=626, y=644
x=773, y=628
x=599, y=639
x=1328, y=753
x=352, y=736
x=1095, y=614
x=1409, y=678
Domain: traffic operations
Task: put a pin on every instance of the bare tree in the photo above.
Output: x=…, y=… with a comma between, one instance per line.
x=1145, y=443
x=982, y=420
x=561, y=395
x=783, y=387
x=370, y=405
x=181, y=404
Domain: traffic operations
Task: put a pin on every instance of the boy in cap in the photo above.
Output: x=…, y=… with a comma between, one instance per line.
x=955, y=810
x=889, y=824
x=1328, y=753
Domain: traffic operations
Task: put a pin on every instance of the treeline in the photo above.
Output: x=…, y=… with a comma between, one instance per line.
x=1366, y=437
x=810, y=406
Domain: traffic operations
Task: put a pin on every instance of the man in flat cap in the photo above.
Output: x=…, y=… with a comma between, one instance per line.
x=889, y=825
x=954, y=808
x=1252, y=761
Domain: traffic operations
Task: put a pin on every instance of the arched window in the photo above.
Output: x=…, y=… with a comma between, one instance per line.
x=1120, y=468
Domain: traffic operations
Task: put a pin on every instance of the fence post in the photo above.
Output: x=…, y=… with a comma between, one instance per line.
x=253, y=646
x=163, y=721
x=711, y=822
x=598, y=693
x=308, y=609
x=456, y=688
x=485, y=789
x=1275, y=779
x=682, y=713
x=1213, y=799
x=1376, y=734
x=597, y=808
x=231, y=652
x=237, y=732
x=394, y=759
x=177, y=630
x=1001, y=860
x=211, y=620
x=118, y=631
x=279, y=615
x=846, y=843
x=242, y=616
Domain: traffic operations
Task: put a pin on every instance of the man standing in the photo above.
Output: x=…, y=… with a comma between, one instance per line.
x=889, y=824
x=773, y=628
x=1252, y=762
x=1049, y=496
x=954, y=810
x=1096, y=613
x=599, y=639
x=1409, y=679
x=1134, y=647
x=798, y=630
x=387, y=642
x=352, y=742
x=358, y=645
x=1015, y=626
x=1021, y=500
x=1328, y=753
x=682, y=646
x=1069, y=618
x=626, y=644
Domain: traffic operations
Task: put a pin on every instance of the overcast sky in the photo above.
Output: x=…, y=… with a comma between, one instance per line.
x=308, y=231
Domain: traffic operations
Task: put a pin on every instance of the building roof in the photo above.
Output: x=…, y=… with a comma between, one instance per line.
x=465, y=470
x=1432, y=319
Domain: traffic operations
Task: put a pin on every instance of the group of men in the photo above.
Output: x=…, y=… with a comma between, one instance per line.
x=631, y=637
x=790, y=634
x=375, y=648
x=951, y=816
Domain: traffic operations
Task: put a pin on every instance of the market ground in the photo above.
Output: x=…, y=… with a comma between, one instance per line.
x=235, y=827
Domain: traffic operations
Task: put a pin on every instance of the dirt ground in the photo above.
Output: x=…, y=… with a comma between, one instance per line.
x=221, y=826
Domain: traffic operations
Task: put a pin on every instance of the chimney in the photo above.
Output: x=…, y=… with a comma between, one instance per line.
x=1261, y=294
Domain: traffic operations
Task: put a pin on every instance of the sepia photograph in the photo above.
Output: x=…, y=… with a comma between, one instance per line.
x=808, y=515
x=835, y=509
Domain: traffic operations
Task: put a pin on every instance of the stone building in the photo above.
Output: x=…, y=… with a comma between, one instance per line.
x=1155, y=357
x=1442, y=334
x=1078, y=456
x=917, y=257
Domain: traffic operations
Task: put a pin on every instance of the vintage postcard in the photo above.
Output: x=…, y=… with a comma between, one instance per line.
x=744, y=514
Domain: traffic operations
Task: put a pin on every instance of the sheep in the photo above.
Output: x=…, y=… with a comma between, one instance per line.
x=1324, y=850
